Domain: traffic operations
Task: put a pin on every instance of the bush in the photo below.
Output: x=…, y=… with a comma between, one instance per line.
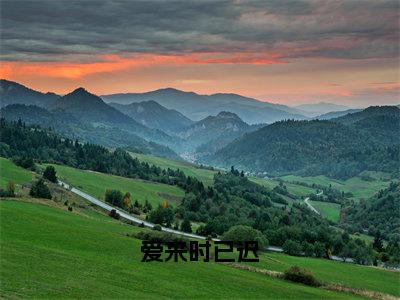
x=186, y=226
x=50, y=174
x=113, y=214
x=10, y=191
x=157, y=227
x=296, y=274
x=40, y=190
x=241, y=233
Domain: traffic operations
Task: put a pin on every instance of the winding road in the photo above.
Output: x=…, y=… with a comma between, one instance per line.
x=125, y=215
x=129, y=217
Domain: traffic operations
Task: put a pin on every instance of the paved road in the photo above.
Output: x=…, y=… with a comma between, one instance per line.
x=129, y=217
x=310, y=206
x=125, y=215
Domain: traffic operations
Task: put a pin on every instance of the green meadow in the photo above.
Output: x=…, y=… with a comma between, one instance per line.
x=49, y=253
x=189, y=169
x=328, y=271
x=329, y=210
x=361, y=189
x=95, y=184
x=10, y=172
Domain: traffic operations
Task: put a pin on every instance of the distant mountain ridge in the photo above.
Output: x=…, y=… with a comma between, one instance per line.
x=336, y=114
x=314, y=109
x=197, y=107
x=154, y=115
x=14, y=93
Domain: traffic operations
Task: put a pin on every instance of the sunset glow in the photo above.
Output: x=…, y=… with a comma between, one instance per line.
x=349, y=57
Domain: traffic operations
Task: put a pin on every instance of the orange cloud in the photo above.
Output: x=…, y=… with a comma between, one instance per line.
x=111, y=63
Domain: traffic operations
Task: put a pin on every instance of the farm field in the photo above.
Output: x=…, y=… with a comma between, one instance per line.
x=48, y=252
x=95, y=184
x=351, y=275
x=189, y=169
x=329, y=210
x=10, y=171
x=358, y=187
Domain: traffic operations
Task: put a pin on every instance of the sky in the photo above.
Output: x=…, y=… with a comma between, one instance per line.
x=289, y=52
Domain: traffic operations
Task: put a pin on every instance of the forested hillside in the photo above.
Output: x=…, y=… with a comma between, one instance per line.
x=377, y=215
x=317, y=147
x=73, y=128
x=214, y=132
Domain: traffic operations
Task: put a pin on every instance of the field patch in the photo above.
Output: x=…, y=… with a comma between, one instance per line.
x=95, y=184
x=10, y=171
x=329, y=210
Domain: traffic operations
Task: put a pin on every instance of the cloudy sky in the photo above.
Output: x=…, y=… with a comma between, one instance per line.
x=289, y=52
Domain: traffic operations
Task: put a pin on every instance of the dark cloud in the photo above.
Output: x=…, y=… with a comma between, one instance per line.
x=52, y=30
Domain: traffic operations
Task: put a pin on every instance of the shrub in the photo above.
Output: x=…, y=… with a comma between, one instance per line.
x=157, y=227
x=50, y=174
x=40, y=190
x=113, y=214
x=296, y=274
x=10, y=191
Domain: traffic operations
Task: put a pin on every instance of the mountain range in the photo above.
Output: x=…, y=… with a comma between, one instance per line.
x=320, y=108
x=360, y=139
x=197, y=107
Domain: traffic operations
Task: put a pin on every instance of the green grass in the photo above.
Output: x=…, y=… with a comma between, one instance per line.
x=204, y=175
x=329, y=210
x=49, y=252
x=352, y=275
x=10, y=172
x=95, y=184
x=355, y=185
x=294, y=189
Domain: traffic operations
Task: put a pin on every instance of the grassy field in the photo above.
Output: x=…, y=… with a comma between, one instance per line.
x=189, y=169
x=351, y=275
x=294, y=189
x=355, y=185
x=329, y=210
x=48, y=252
x=95, y=184
x=9, y=171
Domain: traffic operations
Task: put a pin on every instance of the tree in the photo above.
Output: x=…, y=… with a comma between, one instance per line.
x=378, y=242
x=292, y=248
x=40, y=190
x=114, y=197
x=308, y=249
x=186, y=226
x=127, y=200
x=241, y=233
x=50, y=174
x=319, y=249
